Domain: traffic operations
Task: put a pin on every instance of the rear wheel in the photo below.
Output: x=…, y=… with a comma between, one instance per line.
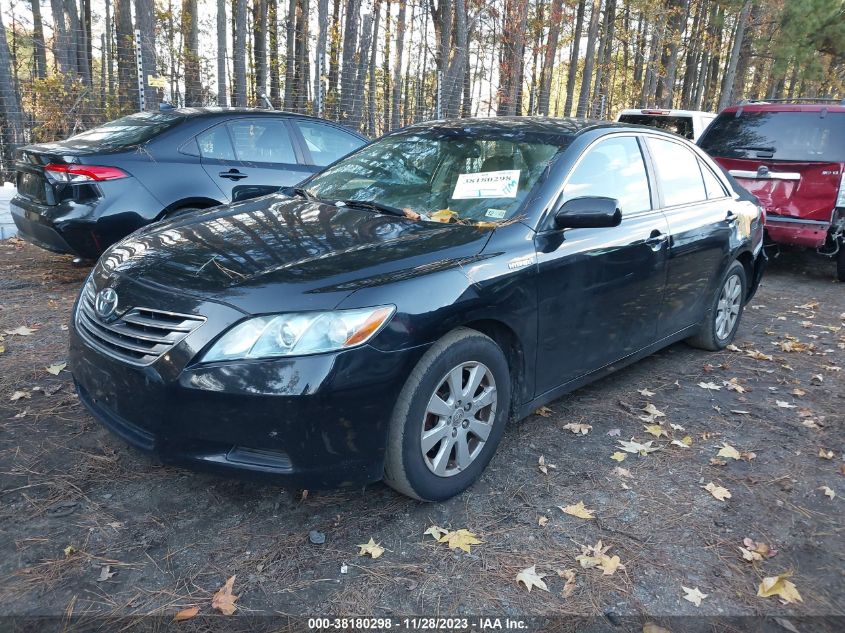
x=449, y=417
x=722, y=321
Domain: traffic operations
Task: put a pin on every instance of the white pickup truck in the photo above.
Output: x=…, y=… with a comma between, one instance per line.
x=688, y=123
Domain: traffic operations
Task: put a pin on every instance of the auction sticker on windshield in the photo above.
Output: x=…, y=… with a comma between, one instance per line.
x=487, y=184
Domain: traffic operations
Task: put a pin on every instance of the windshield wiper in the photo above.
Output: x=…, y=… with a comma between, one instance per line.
x=372, y=205
x=757, y=148
x=302, y=192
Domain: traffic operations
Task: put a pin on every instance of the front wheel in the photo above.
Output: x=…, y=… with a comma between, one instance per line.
x=722, y=320
x=449, y=417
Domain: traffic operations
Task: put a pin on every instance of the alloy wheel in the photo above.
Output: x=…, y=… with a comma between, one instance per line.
x=727, y=310
x=458, y=418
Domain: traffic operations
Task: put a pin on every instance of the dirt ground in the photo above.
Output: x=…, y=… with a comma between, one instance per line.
x=89, y=526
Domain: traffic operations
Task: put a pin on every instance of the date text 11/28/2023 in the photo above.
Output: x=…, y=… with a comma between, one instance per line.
x=417, y=624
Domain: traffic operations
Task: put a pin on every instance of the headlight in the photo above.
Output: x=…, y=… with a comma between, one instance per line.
x=299, y=333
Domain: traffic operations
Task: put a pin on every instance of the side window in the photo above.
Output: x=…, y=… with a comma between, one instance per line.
x=215, y=143
x=615, y=169
x=678, y=172
x=712, y=184
x=262, y=141
x=326, y=142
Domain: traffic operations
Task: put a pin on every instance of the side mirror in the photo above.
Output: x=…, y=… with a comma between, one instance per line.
x=588, y=212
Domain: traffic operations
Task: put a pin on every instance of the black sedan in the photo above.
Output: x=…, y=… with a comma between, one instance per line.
x=83, y=194
x=388, y=317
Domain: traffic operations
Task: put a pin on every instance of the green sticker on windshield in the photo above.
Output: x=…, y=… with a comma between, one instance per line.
x=496, y=214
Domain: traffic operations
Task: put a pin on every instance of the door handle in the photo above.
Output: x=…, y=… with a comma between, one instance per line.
x=656, y=240
x=232, y=174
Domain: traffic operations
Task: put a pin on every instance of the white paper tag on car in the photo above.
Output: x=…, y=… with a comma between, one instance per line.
x=487, y=184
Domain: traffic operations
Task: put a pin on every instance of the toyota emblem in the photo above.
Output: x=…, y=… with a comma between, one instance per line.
x=105, y=303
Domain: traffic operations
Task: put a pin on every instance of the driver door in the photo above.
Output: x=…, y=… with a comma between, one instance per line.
x=601, y=289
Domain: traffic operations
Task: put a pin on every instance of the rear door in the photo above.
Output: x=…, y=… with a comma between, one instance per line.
x=701, y=221
x=252, y=157
x=601, y=289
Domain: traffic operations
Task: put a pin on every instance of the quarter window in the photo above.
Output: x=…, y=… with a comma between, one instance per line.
x=614, y=169
x=678, y=172
x=215, y=143
x=711, y=183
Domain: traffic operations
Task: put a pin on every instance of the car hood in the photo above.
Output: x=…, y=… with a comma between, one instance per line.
x=277, y=253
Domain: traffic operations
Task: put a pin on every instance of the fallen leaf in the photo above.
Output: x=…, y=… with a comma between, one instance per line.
x=530, y=578
x=619, y=457
x=710, y=385
x=784, y=405
x=653, y=411
x=717, y=491
x=372, y=548
x=733, y=385
x=105, y=573
x=543, y=466
x=676, y=427
x=733, y=348
x=635, y=447
x=828, y=492
x=578, y=510
x=21, y=331
x=681, y=443
x=798, y=392
x=761, y=549
x=19, y=395
x=645, y=393
x=69, y=551
x=817, y=379
x=750, y=555
x=578, y=429
x=543, y=521
x=812, y=305
x=186, y=614
x=693, y=595
x=569, y=585
x=655, y=429
x=56, y=369
x=224, y=600
x=758, y=355
x=728, y=451
x=715, y=461
x=544, y=412
x=596, y=556
x=779, y=586
x=622, y=472
x=459, y=539
x=436, y=532
x=614, y=432
x=825, y=454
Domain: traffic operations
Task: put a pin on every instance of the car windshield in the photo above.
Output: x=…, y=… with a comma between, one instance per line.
x=127, y=131
x=678, y=124
x=464, y=176
x=792, y=136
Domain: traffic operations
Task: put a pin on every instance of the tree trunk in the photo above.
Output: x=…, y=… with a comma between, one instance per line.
x=85, y=19
x=573, y=58
x=290, y=56
x=127, y=83
x=715, y=61
x=555, y=18
x=730, y=73
x=334, y=63
x=190, y=53
x=221, y=52
x=678, y=16
x=394, y=121
x=511, y=57
x=350, y=60
x=39, y=52
x=61, y=42
x=12, y=128
x=589, y=61
x=239, y=45
x=77, y=51
x=259, y=48
x=371, y=90
x=385, y=67
x=360, y=72
x=303, y=68
x=145, y=23
x=320, y=71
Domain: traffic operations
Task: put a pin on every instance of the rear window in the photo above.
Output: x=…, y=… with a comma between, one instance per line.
x=126, y=131
x=681, y=125
x=792, y=136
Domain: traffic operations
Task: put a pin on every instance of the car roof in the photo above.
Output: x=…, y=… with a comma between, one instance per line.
x=526, y=124
x=762, y=106
x=224, y=111
x=666, y=112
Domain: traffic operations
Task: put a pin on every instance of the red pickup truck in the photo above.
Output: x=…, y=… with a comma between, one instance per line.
x=791, y=156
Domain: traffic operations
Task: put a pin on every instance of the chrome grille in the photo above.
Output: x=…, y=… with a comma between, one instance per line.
x=140, y=336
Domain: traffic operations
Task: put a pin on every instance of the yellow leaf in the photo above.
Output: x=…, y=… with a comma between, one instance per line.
x=693, y=595
x=444, y=215
x=530, y=578
x=710, y=385
x=56, y=369
x=578, y=510
x=779, y=586
x=653, y=411
x=186, y=614
x=569, y=585
x=21, y=331
x=2, y=349
x=436, y=532
x=596, y=556
x=826, y=454
x=460, y=539
x=70, y=550
x=717, y=491
x=224, y=600
x=578, y=429
x=618, y=456
x=609, y=565
x=728, y=451
x=686, y=439
x=372, y=548
x=544, y=412
x=655, y=429
x=543, y=521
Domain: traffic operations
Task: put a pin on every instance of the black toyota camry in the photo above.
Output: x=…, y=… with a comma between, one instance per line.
x=386, y=318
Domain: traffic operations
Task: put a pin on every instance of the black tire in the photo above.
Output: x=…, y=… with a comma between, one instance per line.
x=707, y=336
x=840, y=261
x=405, y=467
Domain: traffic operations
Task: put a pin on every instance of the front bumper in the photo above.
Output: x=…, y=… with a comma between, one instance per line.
x=312, y=422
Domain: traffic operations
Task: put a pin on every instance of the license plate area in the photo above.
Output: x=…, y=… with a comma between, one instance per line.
x=32, y=186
